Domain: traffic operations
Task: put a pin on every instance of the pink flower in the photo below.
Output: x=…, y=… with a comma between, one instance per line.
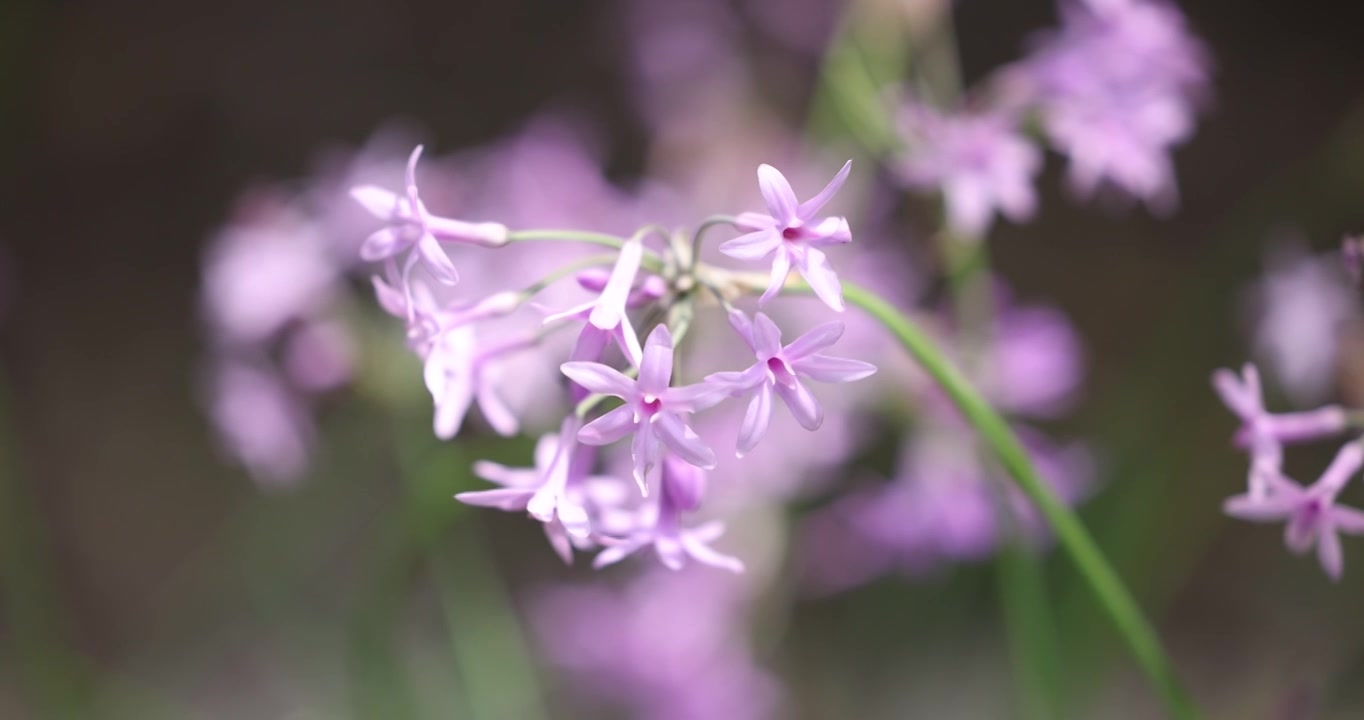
x=660, y=524
x=411, y=226
x=1312, y=515
x=780, y=370
x=980, y=162
x=792, y=234
x=652, y=410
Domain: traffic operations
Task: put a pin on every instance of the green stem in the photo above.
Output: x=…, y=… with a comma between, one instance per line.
x=1027, y=613
x=1122, y=609
x=486, y=640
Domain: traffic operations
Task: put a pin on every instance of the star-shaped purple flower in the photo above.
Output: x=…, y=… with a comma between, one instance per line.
x=411, y=226
x=652, y=411
x=780, y=370
x=792, y=234
x=1311, y=512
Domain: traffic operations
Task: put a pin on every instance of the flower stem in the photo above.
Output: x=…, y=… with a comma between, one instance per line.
x=1122, y=608
x=578, y=236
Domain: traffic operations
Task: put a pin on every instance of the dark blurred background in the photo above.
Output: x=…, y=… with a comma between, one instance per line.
x=136, y=556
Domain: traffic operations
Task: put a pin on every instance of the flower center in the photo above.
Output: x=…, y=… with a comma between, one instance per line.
x=777, y=367
x=651, y=405
x=791, y=233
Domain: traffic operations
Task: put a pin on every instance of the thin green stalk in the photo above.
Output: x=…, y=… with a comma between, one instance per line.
x=55, y=681
x=488, y=644
x=1122, y=609
x=1027, y=613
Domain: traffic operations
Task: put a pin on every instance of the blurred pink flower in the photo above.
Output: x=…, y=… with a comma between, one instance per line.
x=943, y=506
x=1116, y=87
x=262, y=423
x=1301, y=308
x=667, y=646
x=980, y=162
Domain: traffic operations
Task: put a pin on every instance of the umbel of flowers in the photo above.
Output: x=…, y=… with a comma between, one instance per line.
x=619, y=390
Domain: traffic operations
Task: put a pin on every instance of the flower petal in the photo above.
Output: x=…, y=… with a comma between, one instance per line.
x=1269, y=509
x=826, y=369
x=813, y=341
x=436, y=260
x=704, y=554
x=781, y=200
x=558, y=539
x=505, y=476
x=681, y=439
x=752, y=246
x=1347, y=519
x=697, y=396
x=1345, y=465
x=382, y=244
x=656, y=367
x=808, y=208
x=815, y=268
x=496, y=412
x=391, y=299
x=609, y=427
x=610, y=306
x=615, y=553
x=829, y=231
x=781, y=267
x=756, y=419
x=645, y=452
x=599, y=378
x=508, y=499
x=1329, y=554
x=766, y=337
x=754, y=221
x=803, y=405
x=381, y=203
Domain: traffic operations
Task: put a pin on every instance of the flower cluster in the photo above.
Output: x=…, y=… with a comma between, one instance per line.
x=1114, y=89
x=665, y=287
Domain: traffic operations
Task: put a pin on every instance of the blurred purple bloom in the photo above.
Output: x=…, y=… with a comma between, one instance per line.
x=1312, y=515
x=1302, y=305
x=1116, y=87
x=792, y=234
x=606, y=314
x=1034, y=365
x=265, y=272
x=942, y=507
x=319, y=356
x=652, y=410
x=659, y=524
x=411, y=226
x=668, y=646
x=263, y=424
x=980, y=162
x=780, y=370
